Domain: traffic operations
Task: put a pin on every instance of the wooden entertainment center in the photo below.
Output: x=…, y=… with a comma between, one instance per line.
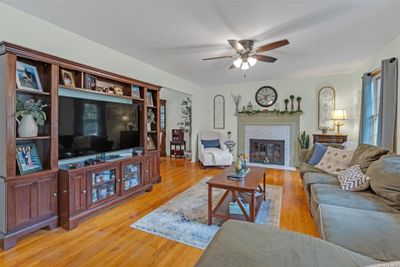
x=62, y=194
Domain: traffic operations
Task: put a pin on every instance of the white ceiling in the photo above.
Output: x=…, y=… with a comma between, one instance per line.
x=325, y=37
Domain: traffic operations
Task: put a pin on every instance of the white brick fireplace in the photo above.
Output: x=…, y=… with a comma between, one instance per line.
x=269, y=126
x=269, y=133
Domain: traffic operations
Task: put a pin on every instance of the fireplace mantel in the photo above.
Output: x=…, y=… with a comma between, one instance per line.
x=270, y=119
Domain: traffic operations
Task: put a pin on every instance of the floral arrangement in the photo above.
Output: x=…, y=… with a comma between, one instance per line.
x=274, y=111
x=32, y=107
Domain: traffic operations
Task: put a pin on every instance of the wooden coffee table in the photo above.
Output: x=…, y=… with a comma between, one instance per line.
x=249, y=189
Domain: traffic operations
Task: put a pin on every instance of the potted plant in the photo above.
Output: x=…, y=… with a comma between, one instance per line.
x=304, y=142
x=186, y=123
x=29, y=114
x=150, y=119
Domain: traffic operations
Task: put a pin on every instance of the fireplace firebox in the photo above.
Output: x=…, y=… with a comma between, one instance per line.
x=267, y=151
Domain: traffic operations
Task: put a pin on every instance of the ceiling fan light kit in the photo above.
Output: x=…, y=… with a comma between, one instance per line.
x=248, y=56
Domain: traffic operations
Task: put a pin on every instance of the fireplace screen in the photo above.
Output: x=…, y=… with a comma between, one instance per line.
x=267, y=151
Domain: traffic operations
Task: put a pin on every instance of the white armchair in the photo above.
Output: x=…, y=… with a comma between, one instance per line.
x=213, y=156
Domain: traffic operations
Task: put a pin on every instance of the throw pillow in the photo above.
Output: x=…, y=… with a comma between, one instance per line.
x=385, y=179
x=311, y=151
x=214, y=143
x=353, y=179
x=319, y=152
x=369, y=156
x=335, y=160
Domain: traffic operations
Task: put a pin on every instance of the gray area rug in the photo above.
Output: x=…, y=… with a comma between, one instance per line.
x=184, y=218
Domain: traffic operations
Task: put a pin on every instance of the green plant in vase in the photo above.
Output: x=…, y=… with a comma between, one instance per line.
x=29, y=114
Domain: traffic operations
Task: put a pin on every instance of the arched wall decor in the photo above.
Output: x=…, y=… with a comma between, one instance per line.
x=326, y=106
x=219, y=112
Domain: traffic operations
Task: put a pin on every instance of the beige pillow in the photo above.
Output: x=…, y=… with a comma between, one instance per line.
x=335, y=160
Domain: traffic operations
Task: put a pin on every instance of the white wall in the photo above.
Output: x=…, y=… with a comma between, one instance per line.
x=29, y=31
x=390, y=50
x=173, y=107
x=306, y=88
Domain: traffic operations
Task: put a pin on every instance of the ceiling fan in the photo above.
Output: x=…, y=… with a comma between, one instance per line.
x=248, y=56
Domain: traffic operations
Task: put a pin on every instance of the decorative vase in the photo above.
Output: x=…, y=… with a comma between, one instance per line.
x=298, y=105
x=238, y=166
x=149, y=127
x=27, y=126
x=291, y=105
x=286, y=104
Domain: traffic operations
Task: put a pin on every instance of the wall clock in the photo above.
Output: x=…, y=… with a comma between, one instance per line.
x=266, y=96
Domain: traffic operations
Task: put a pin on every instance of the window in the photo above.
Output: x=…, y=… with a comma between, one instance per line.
x=376, y=106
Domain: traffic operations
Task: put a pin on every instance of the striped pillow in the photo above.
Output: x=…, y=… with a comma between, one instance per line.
x=353, y=179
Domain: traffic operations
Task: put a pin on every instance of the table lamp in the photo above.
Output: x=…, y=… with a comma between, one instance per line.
x=338, y=116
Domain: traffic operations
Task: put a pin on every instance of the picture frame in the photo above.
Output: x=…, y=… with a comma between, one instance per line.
x=90, y=82
x=219, y=112
x=150, y=143
x=28, y=159
x=150, y=99
x=27, y=77
x=68, y=78
x=135, y=91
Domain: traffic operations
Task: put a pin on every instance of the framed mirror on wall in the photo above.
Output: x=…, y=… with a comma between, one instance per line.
x=326, y=106
x=219, y=112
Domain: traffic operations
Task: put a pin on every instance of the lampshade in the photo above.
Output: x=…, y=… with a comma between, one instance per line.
x=245, y=66
x=339, y=114
x=252, y=61
x=237, y=62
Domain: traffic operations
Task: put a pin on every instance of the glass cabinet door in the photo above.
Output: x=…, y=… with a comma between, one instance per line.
x=103, y=185
x=132, y=175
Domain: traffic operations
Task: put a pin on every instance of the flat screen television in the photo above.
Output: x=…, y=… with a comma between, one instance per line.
x=88, y=127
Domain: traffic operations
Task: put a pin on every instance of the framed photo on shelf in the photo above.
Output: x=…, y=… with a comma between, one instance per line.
x=90, y=82
x=68, y=78
x=28, y=77
x=150, y=143
x=28, y=158
x=150, y=99
x=135, y=91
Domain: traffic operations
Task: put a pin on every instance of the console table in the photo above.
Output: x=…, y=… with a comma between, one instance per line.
x=329, y=138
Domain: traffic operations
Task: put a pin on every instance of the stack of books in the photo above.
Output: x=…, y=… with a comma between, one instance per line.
x=238, y=176
x=234, y=208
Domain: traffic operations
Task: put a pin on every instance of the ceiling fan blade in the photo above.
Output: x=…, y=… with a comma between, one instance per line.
x=211, y=58
x=265, y=58
x=272, y=46
x=232, y=66
x=237, y=46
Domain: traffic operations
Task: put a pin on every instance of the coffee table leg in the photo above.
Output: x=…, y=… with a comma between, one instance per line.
x=253, y=207
x=209, y=204
x=264, y=186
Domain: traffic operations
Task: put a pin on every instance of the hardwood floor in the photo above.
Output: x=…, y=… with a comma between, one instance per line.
x=106, y=239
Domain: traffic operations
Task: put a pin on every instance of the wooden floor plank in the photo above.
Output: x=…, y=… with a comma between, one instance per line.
x=106, y=239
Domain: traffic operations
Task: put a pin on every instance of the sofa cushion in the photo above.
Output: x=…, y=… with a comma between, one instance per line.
x=374, y=234
x=361, y=148
x=353, y=179
x=385, y=179
x=319, y=152
x=311, y=151
x=333, y=195
x=335, y=160
x=246, y=244
x=306, y=167
x=211, y=143
x=311, y=178
x=369, y=156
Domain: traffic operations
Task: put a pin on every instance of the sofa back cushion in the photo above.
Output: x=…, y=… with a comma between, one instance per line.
x=369, y=156
x=385, y=179
x=311, y=151
x=214, y=143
